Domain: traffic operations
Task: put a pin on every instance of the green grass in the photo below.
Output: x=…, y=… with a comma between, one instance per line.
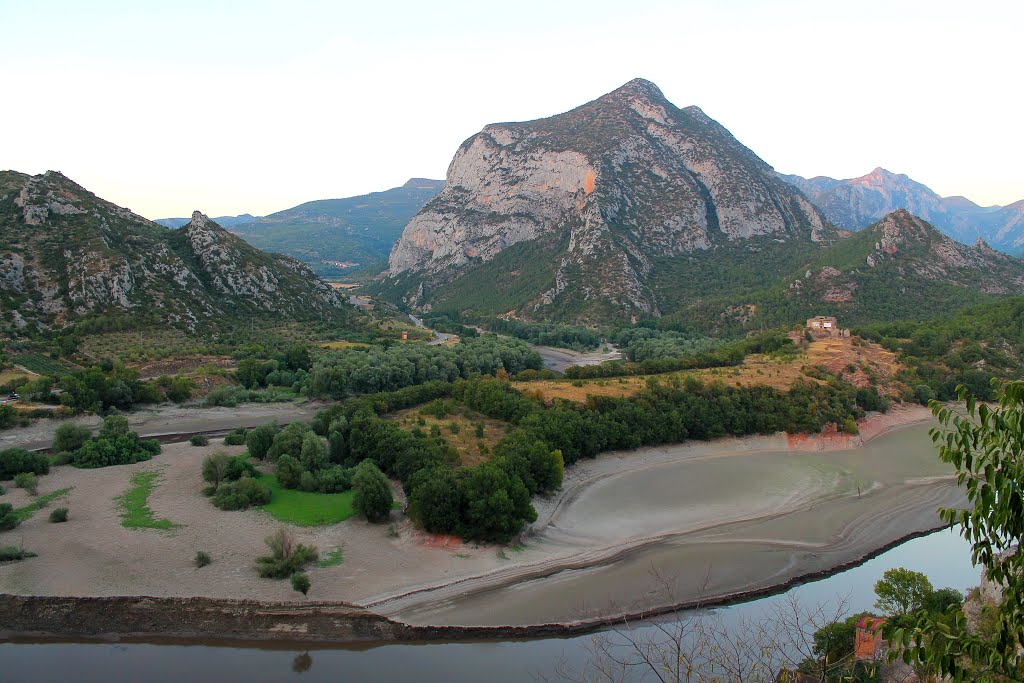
x=332, y=559
x=26, y=512
x=306, y=509
x=134, y=503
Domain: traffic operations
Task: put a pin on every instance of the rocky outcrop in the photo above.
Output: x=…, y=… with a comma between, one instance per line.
x=66, y=254
x=609, y=187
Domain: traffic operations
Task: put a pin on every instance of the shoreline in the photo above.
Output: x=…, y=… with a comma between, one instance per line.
x=257, y=624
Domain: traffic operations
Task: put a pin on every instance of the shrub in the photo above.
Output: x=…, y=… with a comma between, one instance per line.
x=61, y=458
x=120, y=449
x=238, y=467
x=286, y=556
x=202, y=559
x=215, y=469
x=372, y=493
x=199, y=440
x=114, y=426
x=241, y=494
x=70, y=437
x=300, y=583
x=27, y=481
x=8, y=520
x=236, y=437
x=13, y=553
x=16, y=460
x=59, y=515
x=289, y=472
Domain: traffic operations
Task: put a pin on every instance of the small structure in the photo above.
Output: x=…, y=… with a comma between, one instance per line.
x=826, y=325
x=405, y=336
x=868, y=643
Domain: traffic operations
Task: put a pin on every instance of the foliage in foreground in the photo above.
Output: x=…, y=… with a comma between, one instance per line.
x=985, y=448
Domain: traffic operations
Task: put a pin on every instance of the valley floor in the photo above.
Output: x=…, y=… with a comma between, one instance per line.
x=665, y=525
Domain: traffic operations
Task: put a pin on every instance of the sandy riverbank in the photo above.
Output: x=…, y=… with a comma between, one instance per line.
x=752, y=511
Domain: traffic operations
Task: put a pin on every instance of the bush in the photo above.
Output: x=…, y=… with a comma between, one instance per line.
x=241, y=494
x=286, y=556
x=202, y=559
x=61, y=458
x=199, y=440
x=289, y=472
x=300, y=583
x=236, y=437
x=16, y=460
x=70, y=437
x=59, y=515
x=122, y=449
x=8, y=520
x=114, y=426
x=372, y=493
x=215, y=469
x=27, y=481
x=13, y=553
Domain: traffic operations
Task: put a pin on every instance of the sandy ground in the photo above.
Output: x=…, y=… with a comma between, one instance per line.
x=725, y=517
x=170, y=419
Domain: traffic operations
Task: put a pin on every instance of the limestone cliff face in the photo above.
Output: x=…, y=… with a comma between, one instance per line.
x=66, y=254
x=616, y=183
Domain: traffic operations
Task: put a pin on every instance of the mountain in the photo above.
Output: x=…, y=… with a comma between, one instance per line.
x=857, y=202
x=222, y=221
x=67, y=256
x=573, y=216
x=339, y=236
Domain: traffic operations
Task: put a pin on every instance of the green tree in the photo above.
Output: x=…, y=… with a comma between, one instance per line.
x=215, y=468
x=289, y=472
x=114, y=426
x=70, y=437
x=984, y=447
x=372, y=495
x=902, y=591
x=259, y=440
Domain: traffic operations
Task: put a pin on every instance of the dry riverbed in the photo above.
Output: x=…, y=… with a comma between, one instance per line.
x=711, y=520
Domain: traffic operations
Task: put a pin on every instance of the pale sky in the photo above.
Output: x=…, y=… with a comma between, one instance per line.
x=255, y=106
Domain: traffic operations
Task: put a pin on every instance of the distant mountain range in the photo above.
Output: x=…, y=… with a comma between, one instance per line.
x=222, y=221
x=857, y=202
x=336, y=236
x=68, y=257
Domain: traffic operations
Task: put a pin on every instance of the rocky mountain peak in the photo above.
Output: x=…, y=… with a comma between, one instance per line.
x=609, y=187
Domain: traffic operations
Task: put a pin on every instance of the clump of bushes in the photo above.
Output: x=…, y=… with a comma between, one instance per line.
x=70, y=437
x=286, y=556
x=199, y=440
x=300, y=583
x=202, y=559
x=27, y=481
x=241, y=494
x=236, y=437
x=13, y=553
x=116, y=444
x=8, y=520
x=14, y=461
x=59, y=515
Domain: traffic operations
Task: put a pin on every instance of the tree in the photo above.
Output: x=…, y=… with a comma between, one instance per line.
x=300, y=583
x=70, y=437
x=372, y=495
x=902, y=591
x=984, y=447
x=215, y=468
x=114, y=426
x=289, y=472
x=259, y=440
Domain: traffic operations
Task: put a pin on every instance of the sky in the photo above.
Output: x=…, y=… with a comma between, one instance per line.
x=256, y=106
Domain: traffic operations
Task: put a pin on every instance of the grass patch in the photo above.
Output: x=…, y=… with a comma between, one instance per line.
x=24, y=513
x=333, y=558
x=302, y=508
x=134, y=503
x=13, y=553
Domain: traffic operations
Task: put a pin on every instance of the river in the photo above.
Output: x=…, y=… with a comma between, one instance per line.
x=943, y=556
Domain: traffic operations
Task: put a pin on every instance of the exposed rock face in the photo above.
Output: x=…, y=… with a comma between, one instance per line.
x=858, y=202
x=66, y=254
x=609, y=186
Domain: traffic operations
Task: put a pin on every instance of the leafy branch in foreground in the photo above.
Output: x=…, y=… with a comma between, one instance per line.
x=985, y=446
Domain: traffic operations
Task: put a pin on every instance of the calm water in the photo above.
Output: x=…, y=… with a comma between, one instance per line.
x=944, y=557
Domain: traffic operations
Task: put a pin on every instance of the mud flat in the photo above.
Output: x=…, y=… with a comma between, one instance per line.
x=559, y=359
x=630, y=532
